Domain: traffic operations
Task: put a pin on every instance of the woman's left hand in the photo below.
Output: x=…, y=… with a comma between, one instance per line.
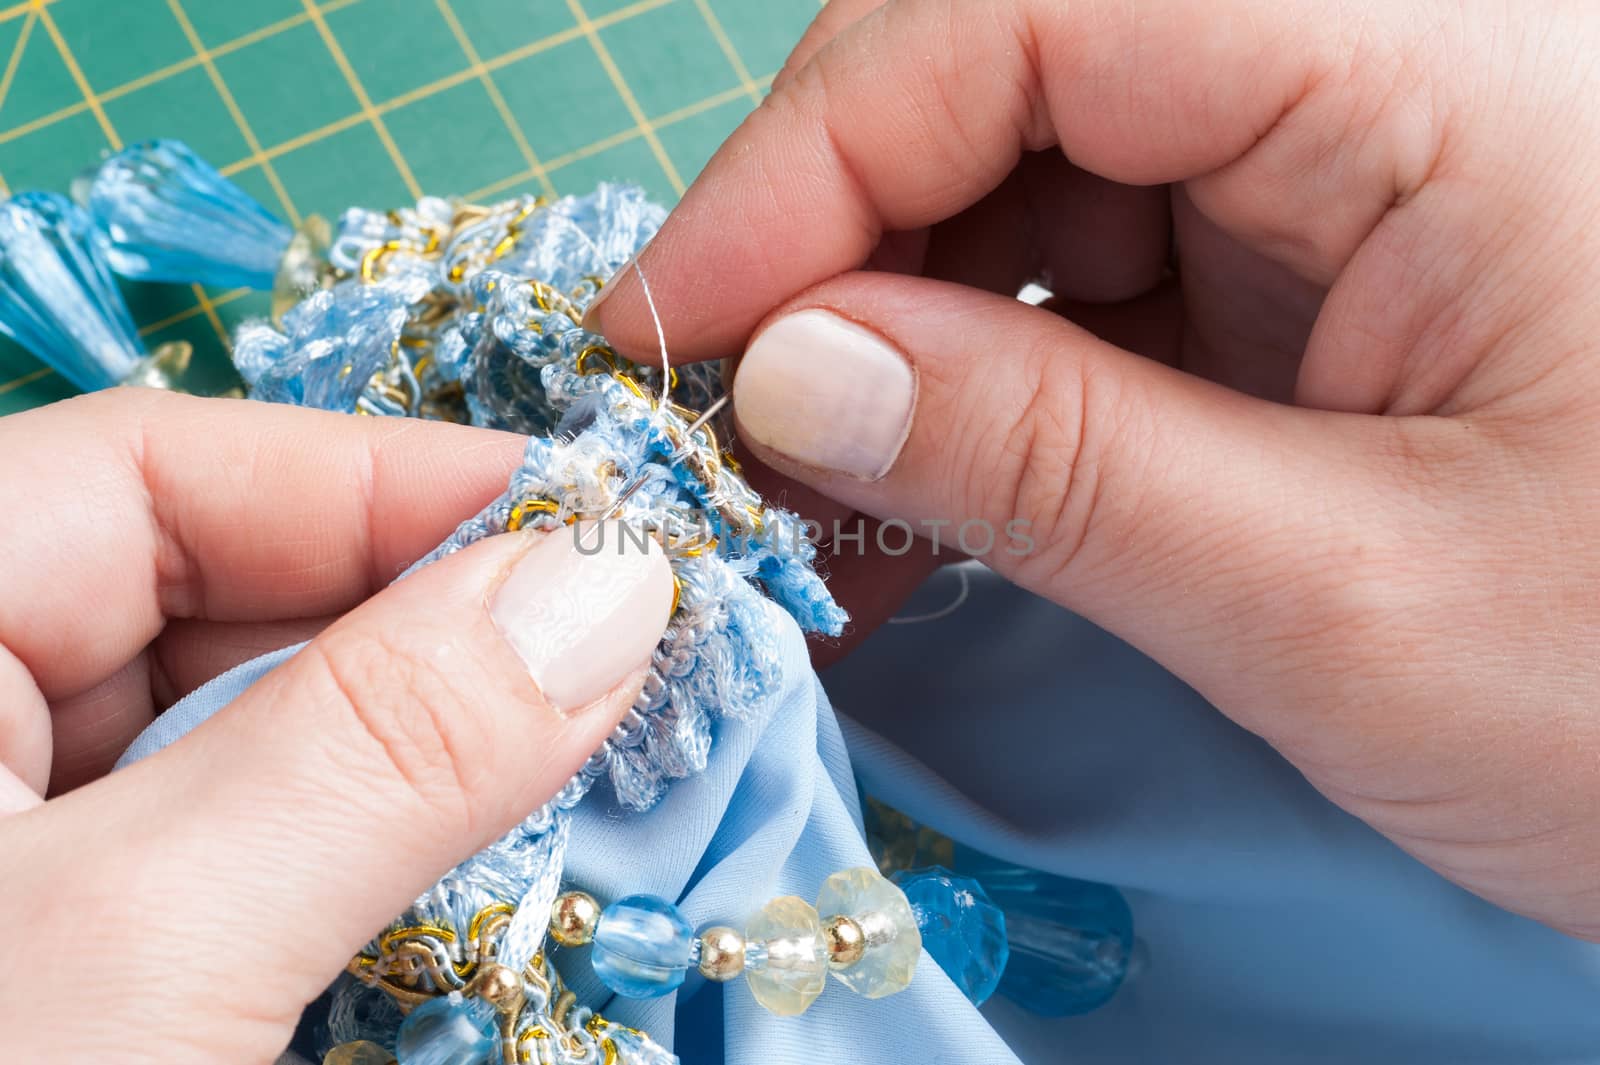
x=184, y=910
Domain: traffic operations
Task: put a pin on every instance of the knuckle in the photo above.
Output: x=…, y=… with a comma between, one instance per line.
x=413, y=722
x=1048, y=477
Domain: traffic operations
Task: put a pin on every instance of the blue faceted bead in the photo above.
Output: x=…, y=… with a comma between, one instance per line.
x=57, y=296
x=443, y=1031
x=961, y=929
x=1071, y=940
x=166, y=215
x=642, y=947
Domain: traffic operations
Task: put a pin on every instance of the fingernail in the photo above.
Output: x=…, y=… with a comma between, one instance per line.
x=591, y=317
x=583, y=608
x=826, y=392
x=15, y=796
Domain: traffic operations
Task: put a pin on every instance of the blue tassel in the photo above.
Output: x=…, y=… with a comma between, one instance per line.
x=166, y=215
x=57, y=296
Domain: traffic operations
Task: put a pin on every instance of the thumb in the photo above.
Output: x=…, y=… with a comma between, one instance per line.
x=244, y=865
x=1200, y=524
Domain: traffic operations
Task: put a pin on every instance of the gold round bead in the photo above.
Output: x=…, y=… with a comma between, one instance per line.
x=844, y=941
x=500, y=987
x=573, y=917
x=361, y=1052
x=721, y=954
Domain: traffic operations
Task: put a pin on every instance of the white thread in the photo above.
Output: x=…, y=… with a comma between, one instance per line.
x=661, y=333
x=962, y=596
x=649, y=299
x=666, y=363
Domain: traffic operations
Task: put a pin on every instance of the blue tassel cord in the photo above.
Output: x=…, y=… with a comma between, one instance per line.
x=57, y=296
x=165, y=214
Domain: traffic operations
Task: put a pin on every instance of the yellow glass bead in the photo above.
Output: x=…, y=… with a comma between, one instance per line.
x=893, y=943
x=785, y=964
x=361, y=1052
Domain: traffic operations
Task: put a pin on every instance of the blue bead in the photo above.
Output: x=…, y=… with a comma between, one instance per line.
x=446, y=1032
x=1071, y=940
x=961, y=929
x=642, y=947
x=166, y=215
x=57, y=296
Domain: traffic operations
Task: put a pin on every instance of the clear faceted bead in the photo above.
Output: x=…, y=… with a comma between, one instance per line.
x=304, y=267
x=961, y=928
x=881, y=909
x=448, y=1031
x=786, y=967
x=642, y=947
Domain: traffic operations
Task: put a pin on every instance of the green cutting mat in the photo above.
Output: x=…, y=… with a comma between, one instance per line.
x=314, y=105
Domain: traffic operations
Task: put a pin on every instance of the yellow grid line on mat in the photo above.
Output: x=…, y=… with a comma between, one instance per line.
x=190, y=312
x=367, y=110
x=23, y=8
x=234, y=112
x=666, y=121
x=76, y=73
x=535, y=167
x=300, y=141
x=16, y=55
x=449, y=81
x=295, y=143
x=586, y=28
x=144, y=81
x=26, y=379
x=115, y=141
x=725, y=43
x=208, y=308
x=628, y=99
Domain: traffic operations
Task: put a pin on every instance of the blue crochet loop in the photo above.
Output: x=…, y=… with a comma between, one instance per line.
x=57, y=296
x=330, y=348
x=166, y=215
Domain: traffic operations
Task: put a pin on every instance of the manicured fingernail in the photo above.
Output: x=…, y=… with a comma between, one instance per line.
x=826, y=392
x=591, y=317
x=584, y=607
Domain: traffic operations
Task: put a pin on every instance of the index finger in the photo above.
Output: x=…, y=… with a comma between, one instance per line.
x=132, y=506
x=920, y=109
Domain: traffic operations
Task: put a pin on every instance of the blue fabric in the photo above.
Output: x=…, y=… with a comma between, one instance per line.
x=1279, y=929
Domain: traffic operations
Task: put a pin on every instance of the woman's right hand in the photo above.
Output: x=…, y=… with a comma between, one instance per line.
x=1340, y=472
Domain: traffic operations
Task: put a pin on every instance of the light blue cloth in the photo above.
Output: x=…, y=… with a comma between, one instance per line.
x=1280, y=930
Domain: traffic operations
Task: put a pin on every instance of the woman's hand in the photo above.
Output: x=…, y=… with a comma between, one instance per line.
x=1340, y=470
x=151, y=541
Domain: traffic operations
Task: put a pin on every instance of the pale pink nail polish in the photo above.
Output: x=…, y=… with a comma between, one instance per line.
x=826, y=392
x=584, y=608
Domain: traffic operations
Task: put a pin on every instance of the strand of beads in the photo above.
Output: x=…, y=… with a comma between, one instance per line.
x=463, y=1005
x=862, y=930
